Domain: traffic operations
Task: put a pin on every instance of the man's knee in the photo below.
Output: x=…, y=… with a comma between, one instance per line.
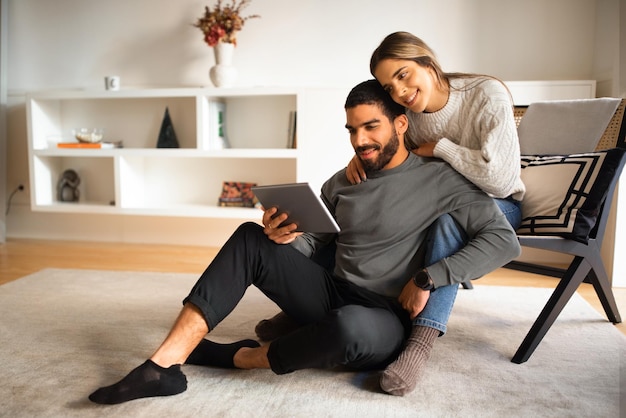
x=356, y=331
x=248, y=232
x=248, y=228
x=348, y=325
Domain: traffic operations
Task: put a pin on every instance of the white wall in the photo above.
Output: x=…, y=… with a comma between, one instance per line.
x=327, y=43
x=622, y=48
x=606, y=59
x=3, y=114
x=74, y=43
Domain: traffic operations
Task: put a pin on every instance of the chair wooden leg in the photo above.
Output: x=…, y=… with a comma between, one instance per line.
x=574, y=276
x=600, y=281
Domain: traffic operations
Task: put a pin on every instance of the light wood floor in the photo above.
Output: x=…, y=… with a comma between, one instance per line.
x=19, y=258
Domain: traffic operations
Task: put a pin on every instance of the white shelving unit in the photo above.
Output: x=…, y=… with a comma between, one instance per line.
x=140, y=179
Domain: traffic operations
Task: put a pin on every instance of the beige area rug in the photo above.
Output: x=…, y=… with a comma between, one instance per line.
x=64, y=333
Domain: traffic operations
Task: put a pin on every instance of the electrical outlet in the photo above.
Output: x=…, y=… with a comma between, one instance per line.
x=19, y=188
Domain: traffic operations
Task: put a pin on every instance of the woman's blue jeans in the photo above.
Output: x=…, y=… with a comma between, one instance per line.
x=446, y=237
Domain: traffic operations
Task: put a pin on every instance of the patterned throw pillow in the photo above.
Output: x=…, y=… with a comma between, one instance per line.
x=564, y=193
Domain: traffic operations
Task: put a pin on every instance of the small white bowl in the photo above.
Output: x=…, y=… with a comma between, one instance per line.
x=89, y=135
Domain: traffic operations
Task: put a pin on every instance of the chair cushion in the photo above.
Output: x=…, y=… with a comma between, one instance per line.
x=564, y=193
x=565, y=127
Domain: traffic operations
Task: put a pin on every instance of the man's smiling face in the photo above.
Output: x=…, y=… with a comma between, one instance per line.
x=373, y=137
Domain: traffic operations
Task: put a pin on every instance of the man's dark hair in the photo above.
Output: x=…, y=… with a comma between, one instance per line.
x=370, y=92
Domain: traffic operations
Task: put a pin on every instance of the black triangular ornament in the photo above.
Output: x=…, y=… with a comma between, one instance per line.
x=167, y=136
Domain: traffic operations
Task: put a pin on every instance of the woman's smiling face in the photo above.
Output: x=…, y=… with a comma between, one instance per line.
x=411, y=85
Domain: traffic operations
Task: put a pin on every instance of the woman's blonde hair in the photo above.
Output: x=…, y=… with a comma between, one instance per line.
x=406, y=46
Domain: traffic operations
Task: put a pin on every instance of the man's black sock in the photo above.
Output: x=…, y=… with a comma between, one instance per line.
x=209, y=353
x=145, y=381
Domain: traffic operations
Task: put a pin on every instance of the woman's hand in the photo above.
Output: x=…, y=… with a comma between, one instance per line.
x=426, y=150
x=413, y=299
x=283, y=235
x=355, y=172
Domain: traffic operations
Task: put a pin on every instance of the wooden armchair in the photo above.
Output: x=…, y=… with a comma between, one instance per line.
x=587, y=264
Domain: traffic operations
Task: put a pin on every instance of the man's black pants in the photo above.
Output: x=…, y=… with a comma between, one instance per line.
x=343, y=324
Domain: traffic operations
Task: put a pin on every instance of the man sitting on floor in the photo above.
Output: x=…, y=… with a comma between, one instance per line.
x=360, y=314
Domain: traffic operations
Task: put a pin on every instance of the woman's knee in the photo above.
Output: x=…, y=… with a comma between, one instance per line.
x=445, y=237
x=511, y=210
x=444, y=225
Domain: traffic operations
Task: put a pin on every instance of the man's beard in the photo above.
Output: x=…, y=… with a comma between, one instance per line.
x=387, y=153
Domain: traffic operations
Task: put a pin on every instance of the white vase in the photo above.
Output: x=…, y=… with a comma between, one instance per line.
x=223, y=74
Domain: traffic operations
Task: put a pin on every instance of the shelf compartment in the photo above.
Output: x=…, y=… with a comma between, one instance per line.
x=135, y=121
x=250, y=122
x=188, y=186
x=96, y=188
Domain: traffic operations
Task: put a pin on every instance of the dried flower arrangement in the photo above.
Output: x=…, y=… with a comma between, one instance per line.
x=222, y=23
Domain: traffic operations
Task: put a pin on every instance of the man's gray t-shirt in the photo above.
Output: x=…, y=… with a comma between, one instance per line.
x=384, y=222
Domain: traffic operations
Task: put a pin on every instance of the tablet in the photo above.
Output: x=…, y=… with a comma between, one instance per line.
x=301, y=204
